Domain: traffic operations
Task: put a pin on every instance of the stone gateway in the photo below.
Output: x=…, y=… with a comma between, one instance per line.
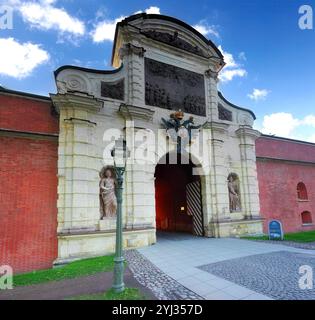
x=196, y=164
x=173, y=68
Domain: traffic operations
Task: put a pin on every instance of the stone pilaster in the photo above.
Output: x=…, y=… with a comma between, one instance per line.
x=78, y=190
x=140, y=191
x=212, y=94
x=218, y=186
x=247, y=137
x=133, y=59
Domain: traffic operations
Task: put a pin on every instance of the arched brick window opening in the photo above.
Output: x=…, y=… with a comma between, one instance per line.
x=301, y=191
x=306, y=217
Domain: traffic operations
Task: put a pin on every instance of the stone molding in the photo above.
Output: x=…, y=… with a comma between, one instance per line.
x=76, y=101
x=219, y=130
x=136, y=113
x=247, y=131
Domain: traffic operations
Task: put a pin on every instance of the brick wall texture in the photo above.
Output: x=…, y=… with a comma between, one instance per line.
x=278, y=181
x=28, y=185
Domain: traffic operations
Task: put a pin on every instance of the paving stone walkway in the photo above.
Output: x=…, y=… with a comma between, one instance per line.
x=220, y=269
x=272, y=274
x=163, y=286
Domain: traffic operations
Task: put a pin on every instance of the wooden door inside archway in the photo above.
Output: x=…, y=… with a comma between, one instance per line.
x=178, y=199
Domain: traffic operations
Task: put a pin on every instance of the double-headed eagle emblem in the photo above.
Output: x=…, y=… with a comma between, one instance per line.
x=179, y=130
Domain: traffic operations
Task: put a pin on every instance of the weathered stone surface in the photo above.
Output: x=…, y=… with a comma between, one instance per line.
x=113, y=90
x=174, y=88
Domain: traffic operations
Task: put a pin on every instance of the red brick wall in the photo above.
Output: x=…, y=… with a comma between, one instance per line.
x=28, y=185
x=278, y=181
x=25, y=114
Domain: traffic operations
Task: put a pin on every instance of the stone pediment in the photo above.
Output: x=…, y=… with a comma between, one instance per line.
x=174, y=40
x=166, y=31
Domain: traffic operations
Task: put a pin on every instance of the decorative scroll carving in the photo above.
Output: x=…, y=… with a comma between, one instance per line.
x=224, y=114
x=173, y=40
x=174, y=88
x=113, y=90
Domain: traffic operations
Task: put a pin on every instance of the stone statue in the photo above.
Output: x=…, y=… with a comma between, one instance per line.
x=108, y=200
x=234, y=192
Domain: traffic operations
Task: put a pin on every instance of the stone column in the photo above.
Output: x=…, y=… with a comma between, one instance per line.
x=247, y=137
x=133, y=59
x=218, y=179
x=78, y=190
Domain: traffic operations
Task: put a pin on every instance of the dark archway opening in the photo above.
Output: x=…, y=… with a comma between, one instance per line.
x=178, y=199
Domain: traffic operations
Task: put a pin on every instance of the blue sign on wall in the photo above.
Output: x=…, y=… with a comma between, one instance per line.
x=275, y=230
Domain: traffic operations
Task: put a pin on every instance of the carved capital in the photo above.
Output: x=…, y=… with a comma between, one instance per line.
x=218, y=130
x=246, y=131
x=76, y=101
x=133, y=112
x=212, y=74
x=129, y=49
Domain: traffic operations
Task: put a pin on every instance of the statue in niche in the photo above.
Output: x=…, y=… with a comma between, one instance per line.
x=108, y=200
x=234, y=192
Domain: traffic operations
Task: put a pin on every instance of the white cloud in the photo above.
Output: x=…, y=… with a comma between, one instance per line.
x=309, y=120
x=232, y=69
x=205, y=29
x=45, y=16
x=153, y=10
x=284, y=124
x=19, y=60
x=258, y=94
x=105, y=30
x=228, y=75
x=281, y=124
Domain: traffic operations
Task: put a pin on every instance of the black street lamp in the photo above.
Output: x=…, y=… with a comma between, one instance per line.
x=120, y=155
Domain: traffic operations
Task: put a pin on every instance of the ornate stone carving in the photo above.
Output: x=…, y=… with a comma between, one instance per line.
x=234, y=192
x=113, y=90
x=108, y=200
x=224, y=114
x=174, y=88
x=76, y=83
x=245, y=119
x=179, y=130
x=173, y=40
x=212, y=74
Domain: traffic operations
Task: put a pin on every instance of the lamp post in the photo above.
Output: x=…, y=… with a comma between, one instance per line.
x=120, y=155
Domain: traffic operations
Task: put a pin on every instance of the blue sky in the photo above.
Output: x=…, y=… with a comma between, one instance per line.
x=271, y=65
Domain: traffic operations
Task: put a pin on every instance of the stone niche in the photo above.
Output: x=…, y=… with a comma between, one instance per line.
x=156, y=73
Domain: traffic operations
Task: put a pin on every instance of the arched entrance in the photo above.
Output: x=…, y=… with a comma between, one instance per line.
x=178, y=198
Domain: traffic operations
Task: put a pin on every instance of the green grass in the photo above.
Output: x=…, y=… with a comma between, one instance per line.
x=72, y=270
x=255, y=237
x=306, y=236
x=127, y=294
